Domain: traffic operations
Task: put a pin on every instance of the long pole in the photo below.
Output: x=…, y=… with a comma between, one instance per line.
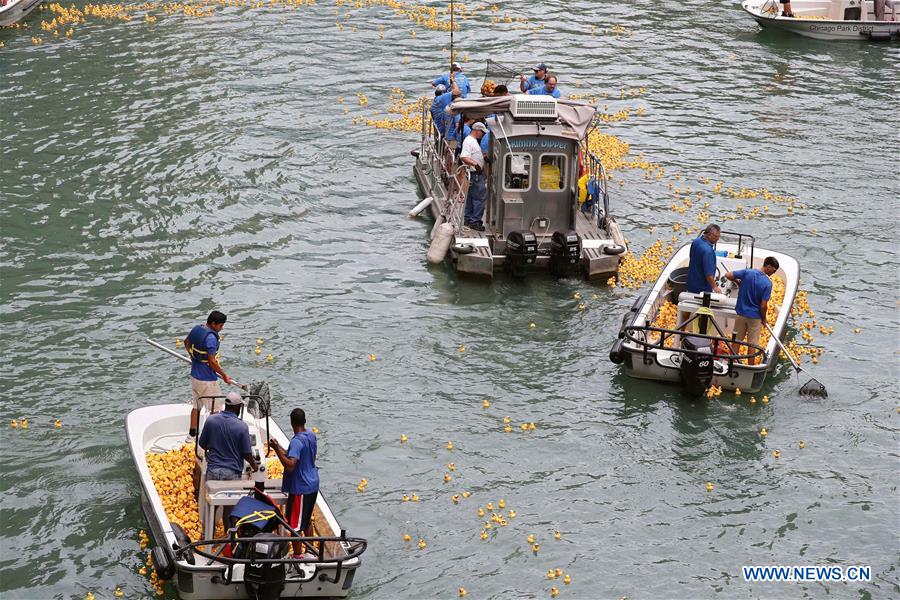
x=451, y=32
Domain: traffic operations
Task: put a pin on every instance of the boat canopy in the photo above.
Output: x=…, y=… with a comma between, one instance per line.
x=577, y=115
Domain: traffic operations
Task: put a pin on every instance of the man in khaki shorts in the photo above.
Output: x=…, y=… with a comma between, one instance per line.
x=752, y=302
x=202, y=345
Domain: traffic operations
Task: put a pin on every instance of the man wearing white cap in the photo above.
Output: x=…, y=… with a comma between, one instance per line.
x=226, y=439
x=461, y=80
x=472, y=156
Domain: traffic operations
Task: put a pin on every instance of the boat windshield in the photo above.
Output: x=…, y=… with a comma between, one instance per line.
x=517, y=171
x=553, y=172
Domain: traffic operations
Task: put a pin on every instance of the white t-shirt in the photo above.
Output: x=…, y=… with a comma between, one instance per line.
x=471, y=148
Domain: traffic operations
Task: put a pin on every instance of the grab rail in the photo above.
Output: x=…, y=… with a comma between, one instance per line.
x=354, y=546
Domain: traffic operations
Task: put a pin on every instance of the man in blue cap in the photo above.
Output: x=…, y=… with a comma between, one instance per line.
x=540, y=73
x=701, y=275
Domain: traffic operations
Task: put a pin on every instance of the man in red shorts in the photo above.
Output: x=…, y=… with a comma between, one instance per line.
x=301, y=476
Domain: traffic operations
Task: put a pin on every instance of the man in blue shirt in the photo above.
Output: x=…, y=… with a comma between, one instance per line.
x=202, y=345
x=461, y=80
x=437, y=109
x=548, y=89
x=701, y=275
x=226, y=440
x=753, y=300
x=301, y=476
x=540, y=73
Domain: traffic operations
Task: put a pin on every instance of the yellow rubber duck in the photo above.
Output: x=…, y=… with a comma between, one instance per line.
x=567, y=580
x=484, y=534
x=178, y=343
x=403, y=438
x=801, y=444
x=506, y=420
x=455, y=498
x=258, y=350
x=23, y=423
x=360, y=488
x=557, y=535
x=415, y=498
x=142, y=571
x=551, y=574
x=777, y=453
x=530, y=538
x=524, y=426
x=737, y=391
x=535, y=547
x=405, y=498
x=259, y=341
x=532, y=426
x=506, y=428
x=462, y=348
x=763, y=432
x=577, y=295
x=315, y=430
x=118, y=593
x=489, y=506
x=581, y=306
x=449, y=445
x=857, y=330
x=462, y=592
x=752, y=399
x=89, y=596
x=765, y=399
x=485, y=404
x=554, y=592
x=709, y=486
x=14, y=424
x=501, y=503
x=407, y=537
x=451, y=467
x=57, y=423
x=512, y=514
x=269, y=358
x=422, y=544
x=532, y=325
x=447, y=478
x=371, y=358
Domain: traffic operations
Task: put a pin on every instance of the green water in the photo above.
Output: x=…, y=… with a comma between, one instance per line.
x=150, y=173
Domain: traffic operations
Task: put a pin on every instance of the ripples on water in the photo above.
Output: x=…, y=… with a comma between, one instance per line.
x=151, y=173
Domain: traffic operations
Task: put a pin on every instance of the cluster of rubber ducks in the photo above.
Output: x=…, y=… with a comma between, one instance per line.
x=666, y=318
x=409, y=113
x=635, y=271
x=423, y=15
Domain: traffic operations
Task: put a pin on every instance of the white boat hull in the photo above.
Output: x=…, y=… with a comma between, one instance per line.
x=17, y=10
x=660, y=364
x=821, y=28
x=163, y=427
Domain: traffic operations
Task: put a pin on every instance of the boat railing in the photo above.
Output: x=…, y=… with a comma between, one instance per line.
x=597, y=172
x=740, y=245
x=721, y=344
x=213, y=551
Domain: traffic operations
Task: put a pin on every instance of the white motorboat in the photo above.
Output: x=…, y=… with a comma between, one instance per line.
x=13, y=11
x=247, y=561
x=831, y=19
x=677, y=336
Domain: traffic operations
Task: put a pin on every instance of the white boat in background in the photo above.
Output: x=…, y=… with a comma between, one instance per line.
x=13, y=11
x=673, y=335
x=830, y=19
x=237, y=564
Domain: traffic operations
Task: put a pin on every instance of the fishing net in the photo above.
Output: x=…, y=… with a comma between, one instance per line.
x=813, y=387
x=498, y=74
x=262, y=399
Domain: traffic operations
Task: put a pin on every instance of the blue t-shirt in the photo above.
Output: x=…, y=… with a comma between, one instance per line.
x=462, y=82
x=485, y=143
x=702, y=263
x=304, y=479
x=533, y=82
x=542, y=91
x=201, y=370
x=438, y=114
x=226, y=439
x=755, y=287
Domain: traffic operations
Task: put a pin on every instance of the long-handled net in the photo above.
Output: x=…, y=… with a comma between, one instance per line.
x=499, y=74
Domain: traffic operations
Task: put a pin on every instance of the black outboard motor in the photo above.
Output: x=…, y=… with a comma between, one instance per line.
x=696, y=369
x=256, y=519
x=565, y=251
x=521, y=251
x=265, y=581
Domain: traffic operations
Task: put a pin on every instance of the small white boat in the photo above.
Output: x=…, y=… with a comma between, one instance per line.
x=677, y=336
x=13, y=11
x=830, y=19
x=232, y=566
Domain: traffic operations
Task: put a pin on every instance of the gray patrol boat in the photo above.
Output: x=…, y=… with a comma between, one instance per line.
x=547, y=205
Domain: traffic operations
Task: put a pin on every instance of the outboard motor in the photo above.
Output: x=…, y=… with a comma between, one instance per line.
x=565, y=251
x=256, y=519
x=696, y=369
x=265, y=581
x=521, y=251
